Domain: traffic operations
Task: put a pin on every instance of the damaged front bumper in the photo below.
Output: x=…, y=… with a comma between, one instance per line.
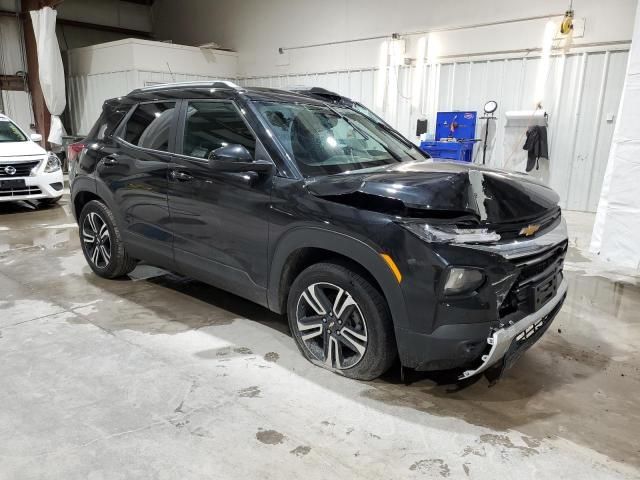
x=507, y=344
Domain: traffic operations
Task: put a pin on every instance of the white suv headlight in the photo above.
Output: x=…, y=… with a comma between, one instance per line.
x=451, y=233
x=53, y=163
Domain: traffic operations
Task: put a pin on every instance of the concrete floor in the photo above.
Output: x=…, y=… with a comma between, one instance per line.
x=165, y=378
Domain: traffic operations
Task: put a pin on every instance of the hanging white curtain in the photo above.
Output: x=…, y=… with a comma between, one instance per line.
x=616, y=233
x=51, y=71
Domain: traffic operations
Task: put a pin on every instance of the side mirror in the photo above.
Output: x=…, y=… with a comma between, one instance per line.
x=35, y=137
x=236, y=158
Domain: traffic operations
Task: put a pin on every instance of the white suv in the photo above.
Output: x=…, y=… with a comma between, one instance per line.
x=27, y=171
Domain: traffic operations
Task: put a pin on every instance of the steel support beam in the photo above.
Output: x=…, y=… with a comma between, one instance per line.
x=14, y=83
x=90, y=26
x=41, y=115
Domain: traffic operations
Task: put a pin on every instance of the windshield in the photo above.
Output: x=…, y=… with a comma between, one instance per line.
x=324, y=140
x=9, y=132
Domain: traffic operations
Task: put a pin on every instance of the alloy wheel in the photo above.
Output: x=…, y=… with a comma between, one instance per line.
x=97, y=240
x=331, y=325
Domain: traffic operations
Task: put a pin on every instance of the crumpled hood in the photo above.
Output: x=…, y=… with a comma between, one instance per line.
x=20, y=149
x=437, y=188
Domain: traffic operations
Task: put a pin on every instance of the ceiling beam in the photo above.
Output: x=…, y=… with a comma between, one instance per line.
x=89, y=26
x=140, y=2
x=105, y=28
x=14, y=83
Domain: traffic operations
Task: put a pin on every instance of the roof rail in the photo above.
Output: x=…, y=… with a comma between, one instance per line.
x=203, y=84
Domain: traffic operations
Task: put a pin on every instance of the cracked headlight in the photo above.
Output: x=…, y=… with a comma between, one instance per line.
x=451, y=233
x=53, y=163
x=461, y=280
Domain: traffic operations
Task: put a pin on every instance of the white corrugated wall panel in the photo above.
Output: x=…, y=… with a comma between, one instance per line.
x=14, y=104
x=86, y=94
x=147, y=78
x=17, y=106
x=586, y=130
x=582, y=90
x=614, y=81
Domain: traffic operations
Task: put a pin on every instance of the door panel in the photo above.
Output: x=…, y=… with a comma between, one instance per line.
x=219, y=219
x=134, y=171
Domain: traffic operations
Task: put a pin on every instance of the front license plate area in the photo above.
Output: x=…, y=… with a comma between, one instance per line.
x=544, y=291
x=521, y=343
x=13, y=185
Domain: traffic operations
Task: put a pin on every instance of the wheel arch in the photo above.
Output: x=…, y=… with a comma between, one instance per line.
x=81, y=198
x=304, y=247
x=86, y=189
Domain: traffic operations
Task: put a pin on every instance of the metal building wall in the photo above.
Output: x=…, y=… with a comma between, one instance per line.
x=582, y=89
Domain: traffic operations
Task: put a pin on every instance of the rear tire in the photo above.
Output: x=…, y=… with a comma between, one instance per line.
x=341, y=322
x=102, y=243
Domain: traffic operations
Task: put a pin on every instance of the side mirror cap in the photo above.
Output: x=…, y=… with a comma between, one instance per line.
x=236, y=158
x=237, y=153
x=35, y=137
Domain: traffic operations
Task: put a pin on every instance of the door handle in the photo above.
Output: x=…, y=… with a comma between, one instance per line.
x=178, y=176
x=110, y=160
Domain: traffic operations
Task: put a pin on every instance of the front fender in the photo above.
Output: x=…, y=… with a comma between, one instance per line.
x=340, y=243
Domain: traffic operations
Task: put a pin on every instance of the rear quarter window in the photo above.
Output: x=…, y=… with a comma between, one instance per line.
x=149, y=126
x=108, y=122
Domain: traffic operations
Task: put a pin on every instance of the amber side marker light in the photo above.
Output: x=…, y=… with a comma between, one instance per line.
x=392, y=265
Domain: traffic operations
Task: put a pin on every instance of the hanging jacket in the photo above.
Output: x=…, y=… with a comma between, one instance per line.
x=537, y=146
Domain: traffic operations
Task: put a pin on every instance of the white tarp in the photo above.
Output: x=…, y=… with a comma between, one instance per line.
x=51, y=71
x=616, y=233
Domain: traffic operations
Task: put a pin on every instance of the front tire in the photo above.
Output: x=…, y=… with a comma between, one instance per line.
x=341, y=322
x=102, y=243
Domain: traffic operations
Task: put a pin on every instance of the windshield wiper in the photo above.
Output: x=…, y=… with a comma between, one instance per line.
x=396, y=135
x=351, y=124
x=394, y=155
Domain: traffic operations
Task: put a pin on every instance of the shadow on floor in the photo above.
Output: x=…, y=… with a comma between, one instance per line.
x=543, y=396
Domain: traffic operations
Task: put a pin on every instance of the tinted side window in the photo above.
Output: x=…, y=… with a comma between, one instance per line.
x=211, y=125
x=149, y=125
x=109, y=120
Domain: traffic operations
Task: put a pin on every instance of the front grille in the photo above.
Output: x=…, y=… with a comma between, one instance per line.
x=511, y=231
x=23, y=169
x=19, y=192
x=537, y=280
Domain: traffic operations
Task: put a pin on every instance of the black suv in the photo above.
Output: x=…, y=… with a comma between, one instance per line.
x=316, y=210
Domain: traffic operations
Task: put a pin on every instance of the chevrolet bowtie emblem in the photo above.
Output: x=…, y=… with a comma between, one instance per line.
x=529, y=230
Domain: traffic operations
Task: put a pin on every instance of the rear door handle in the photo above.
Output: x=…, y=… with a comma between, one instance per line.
x=178, y=176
